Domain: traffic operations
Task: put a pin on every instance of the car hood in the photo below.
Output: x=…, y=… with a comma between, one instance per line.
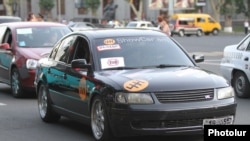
x=34, y=53
x=158, y=79
x=230, y=48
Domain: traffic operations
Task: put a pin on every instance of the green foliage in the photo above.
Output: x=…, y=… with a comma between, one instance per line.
x=242, y=8
x=46, y=4
x=92, y=4
x=228, y=8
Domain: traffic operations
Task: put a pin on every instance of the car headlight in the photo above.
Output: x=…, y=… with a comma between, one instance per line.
x=31, y=64
x=133, y=98
x=223, y=93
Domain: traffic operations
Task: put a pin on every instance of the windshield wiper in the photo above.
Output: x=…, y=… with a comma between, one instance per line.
x=165, y=66
x=120, y=68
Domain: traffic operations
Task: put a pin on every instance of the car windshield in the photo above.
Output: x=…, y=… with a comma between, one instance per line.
x=132, y=24
x=140, y=52
x=39, y=36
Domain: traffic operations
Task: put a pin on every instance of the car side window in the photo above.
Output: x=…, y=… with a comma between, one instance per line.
x=200, y=20
x=143, y=25
x=248, y=46
x=244, y=45
x=8, y=37
x=62, y=51
x=80, y=50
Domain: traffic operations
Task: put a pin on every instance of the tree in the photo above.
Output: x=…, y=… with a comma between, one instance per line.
x=47, y=6
x=109, y=10
x=8, y=6
x=243, y=7
x=228, y=10
x=138, y=12
x=215, y=5
x=93, y=5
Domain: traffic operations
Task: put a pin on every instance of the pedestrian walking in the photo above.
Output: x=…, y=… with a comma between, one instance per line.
x=163, y=25
x=31, y=17
x=246, y=26
x=40, y=17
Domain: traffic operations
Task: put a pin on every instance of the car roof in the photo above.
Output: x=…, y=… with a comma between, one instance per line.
x=119, y=32
x=29, y=24
x=9, y=17
x=139, y=22
x=4, y=19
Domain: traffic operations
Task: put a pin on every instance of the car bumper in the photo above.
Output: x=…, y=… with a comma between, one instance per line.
x=226, y=71
x=164, y=121
x=28, y=78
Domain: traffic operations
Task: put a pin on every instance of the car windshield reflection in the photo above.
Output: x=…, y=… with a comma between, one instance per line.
x=39, y=36
x=140, y=52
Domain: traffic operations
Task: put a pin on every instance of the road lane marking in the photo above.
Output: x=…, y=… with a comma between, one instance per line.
x=214, y=53
x=2, y=104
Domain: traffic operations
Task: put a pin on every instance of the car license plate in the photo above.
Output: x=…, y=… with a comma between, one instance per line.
x=219, y=121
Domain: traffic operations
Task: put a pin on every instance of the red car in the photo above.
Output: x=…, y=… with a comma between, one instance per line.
x=22, y=44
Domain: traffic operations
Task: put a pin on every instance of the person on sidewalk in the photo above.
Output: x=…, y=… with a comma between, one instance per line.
x=163, y=25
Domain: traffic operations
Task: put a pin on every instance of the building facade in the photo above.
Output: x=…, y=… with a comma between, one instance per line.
x=65, y=10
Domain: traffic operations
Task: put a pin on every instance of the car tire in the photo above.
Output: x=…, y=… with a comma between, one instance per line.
x=16, y=88
x=181, y=33
x=99, y=121
x=241, y=85
x=44, y=105
x=215, y=32
x=199, y=33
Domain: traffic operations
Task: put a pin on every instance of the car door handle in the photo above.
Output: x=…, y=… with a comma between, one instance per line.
x=246, y=59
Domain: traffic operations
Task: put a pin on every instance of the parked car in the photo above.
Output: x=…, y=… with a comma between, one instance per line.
x=141, y=24
x=21, y=45
x=128, y=82
x=76, y=26
x=235, y=66
x=184, y=26
x=7, y=19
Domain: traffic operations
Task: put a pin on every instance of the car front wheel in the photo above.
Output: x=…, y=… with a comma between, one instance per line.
x=44, y=105
x=215, y=32
x=16, y=87
x=199, y=33
x=181, y=33
x=99, y=121
x=241, y=85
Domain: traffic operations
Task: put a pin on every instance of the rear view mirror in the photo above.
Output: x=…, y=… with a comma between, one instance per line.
x=198, y=58
x=82, y=64
x=4, y=46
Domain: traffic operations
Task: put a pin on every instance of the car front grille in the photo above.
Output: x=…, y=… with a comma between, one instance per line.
x=185, y=96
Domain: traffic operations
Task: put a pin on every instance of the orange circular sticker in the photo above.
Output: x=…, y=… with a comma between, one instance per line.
x=109, y=41
x=82, y=89
x=135, y=85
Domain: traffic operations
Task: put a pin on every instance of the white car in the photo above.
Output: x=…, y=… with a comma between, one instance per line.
x=235, y=66
x=141, y=24
x=78, y=26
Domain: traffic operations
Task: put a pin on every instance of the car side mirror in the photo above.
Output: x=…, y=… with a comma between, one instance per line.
x=198, y=58
x=5, y=46
x=82, y=64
